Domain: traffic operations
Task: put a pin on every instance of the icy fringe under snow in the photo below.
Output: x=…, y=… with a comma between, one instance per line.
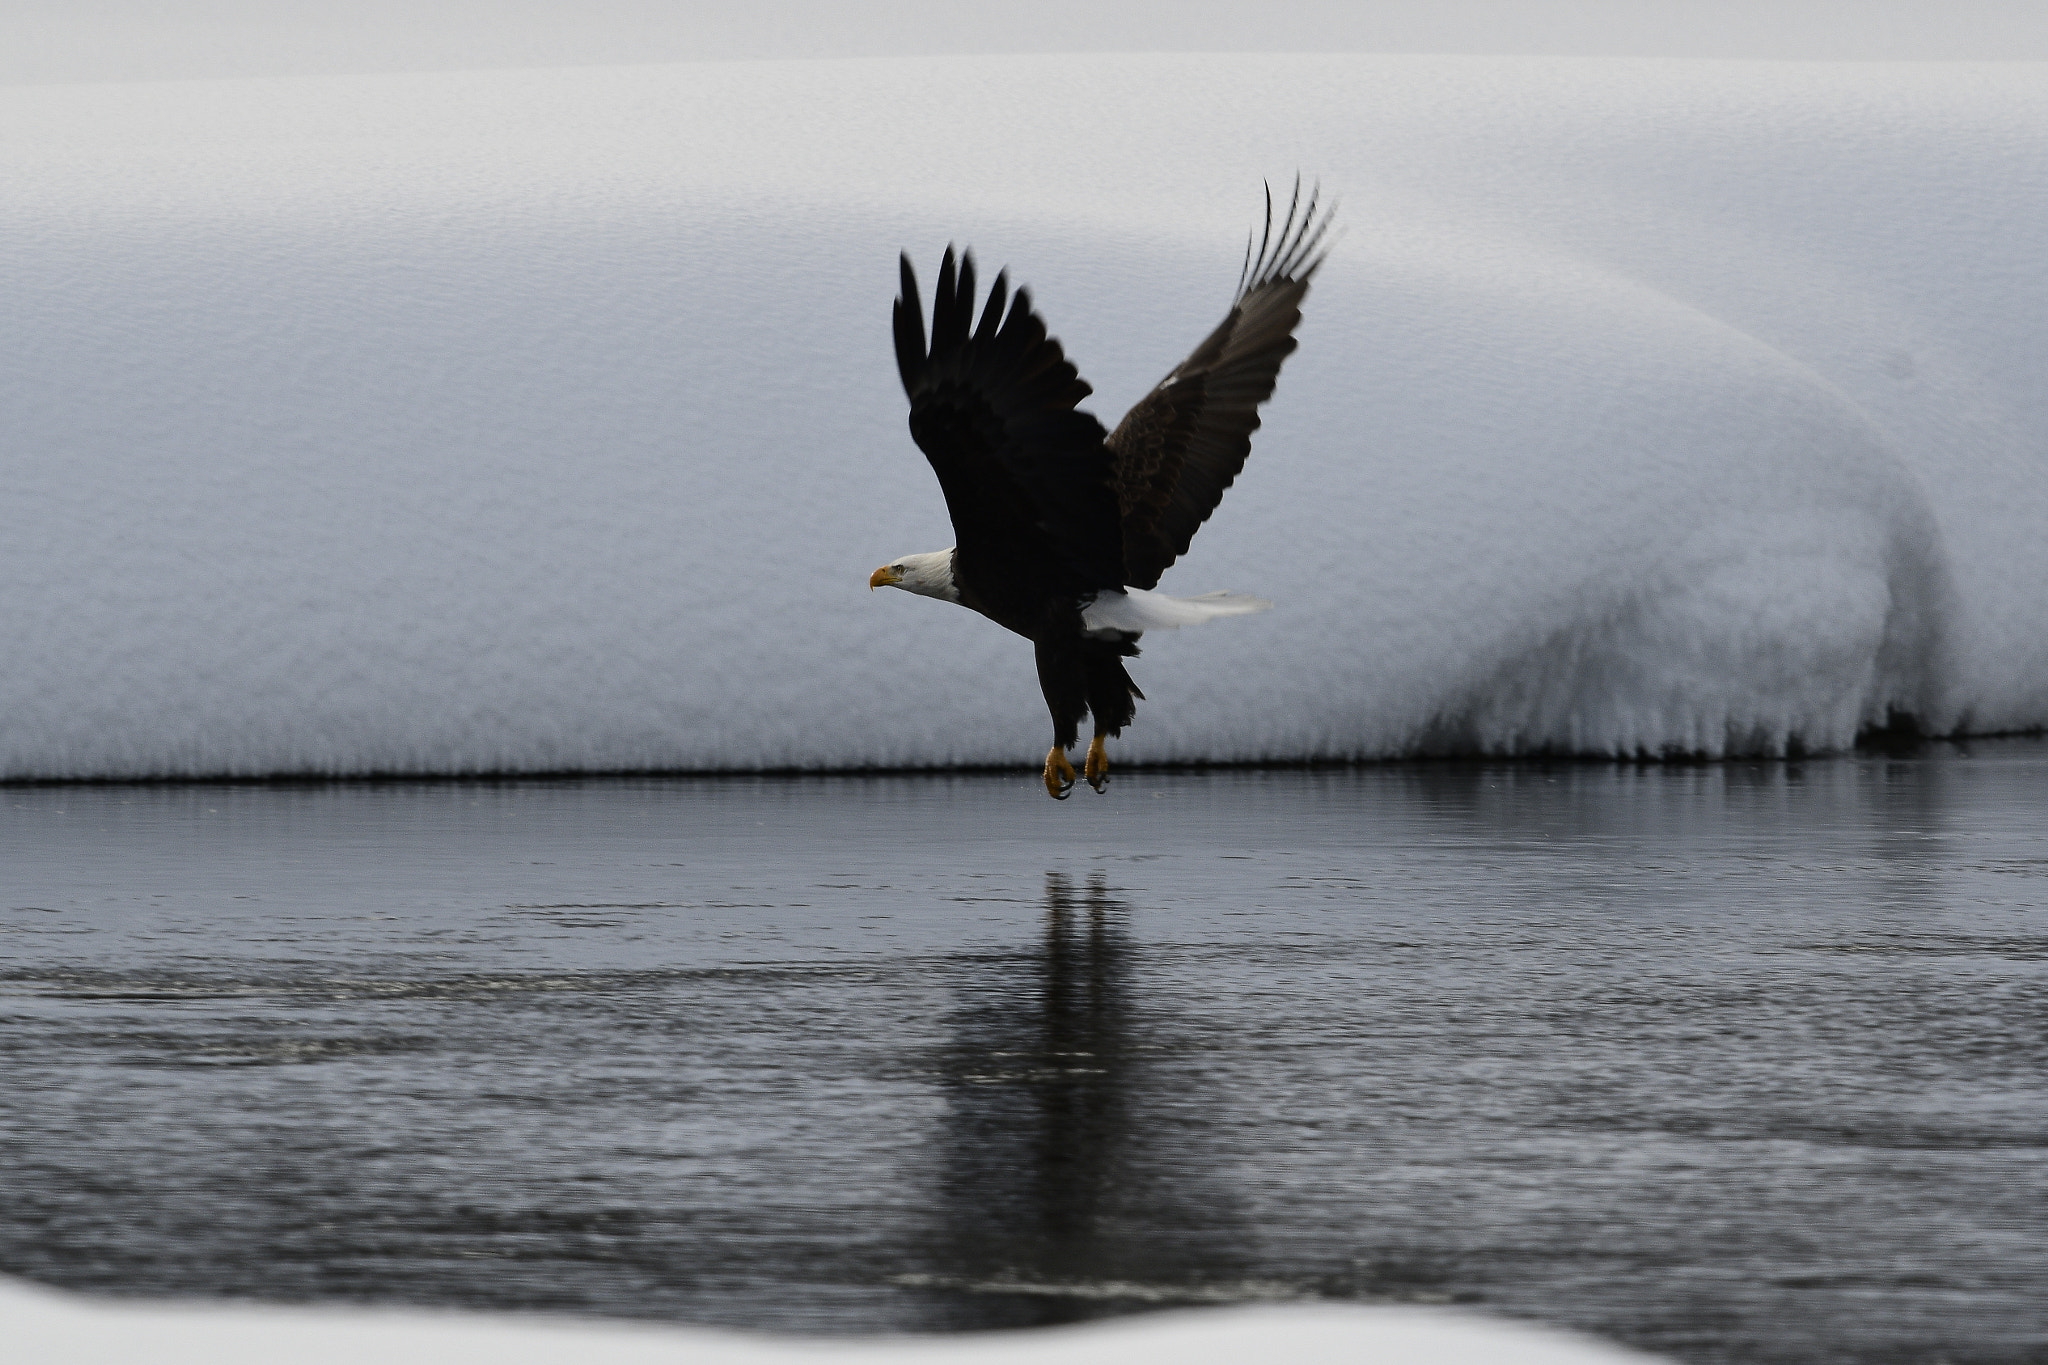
x=548, y=420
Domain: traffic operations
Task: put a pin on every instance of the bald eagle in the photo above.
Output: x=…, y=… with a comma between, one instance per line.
x=1063, y=529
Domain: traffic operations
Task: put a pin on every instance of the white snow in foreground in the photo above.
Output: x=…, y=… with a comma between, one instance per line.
x=547, y=420
x=59, y=1329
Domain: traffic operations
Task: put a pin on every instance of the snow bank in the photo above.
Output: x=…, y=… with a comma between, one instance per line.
x=547, y=420
x=55, y=1329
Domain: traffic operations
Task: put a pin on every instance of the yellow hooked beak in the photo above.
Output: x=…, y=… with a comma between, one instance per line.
x=884, y=577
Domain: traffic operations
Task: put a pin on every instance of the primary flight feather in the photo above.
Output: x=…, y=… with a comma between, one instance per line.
x=1061, y=529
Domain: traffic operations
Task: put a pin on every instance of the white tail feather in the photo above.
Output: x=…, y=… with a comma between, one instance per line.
x=1135, y=609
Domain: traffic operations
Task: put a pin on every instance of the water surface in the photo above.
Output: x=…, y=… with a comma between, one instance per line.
x=1738, y=1062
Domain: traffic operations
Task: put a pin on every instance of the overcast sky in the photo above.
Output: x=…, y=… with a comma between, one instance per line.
x=90, y=40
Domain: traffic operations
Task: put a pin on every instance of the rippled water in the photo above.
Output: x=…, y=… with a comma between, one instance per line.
x=1736, y=1062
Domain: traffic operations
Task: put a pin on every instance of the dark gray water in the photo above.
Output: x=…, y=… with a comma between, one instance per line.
x=1735, y=1062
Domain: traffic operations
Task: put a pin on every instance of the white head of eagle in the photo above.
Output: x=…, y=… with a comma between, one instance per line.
x=1062, y=528
x=927, y=575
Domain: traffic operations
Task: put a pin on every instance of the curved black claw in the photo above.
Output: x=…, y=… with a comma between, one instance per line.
x=1059, y=775
x=1097, y=766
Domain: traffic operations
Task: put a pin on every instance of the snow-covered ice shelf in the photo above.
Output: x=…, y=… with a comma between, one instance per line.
x=547, y=420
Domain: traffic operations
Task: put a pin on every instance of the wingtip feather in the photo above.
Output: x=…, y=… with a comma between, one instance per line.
x=909, y=320
x=1299, y=249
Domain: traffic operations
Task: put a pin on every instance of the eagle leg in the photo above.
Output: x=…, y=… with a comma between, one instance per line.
x=1059, y=774
x=1098, y=764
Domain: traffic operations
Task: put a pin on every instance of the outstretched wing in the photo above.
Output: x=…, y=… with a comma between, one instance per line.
x=1184, y=443
x=1025, y=476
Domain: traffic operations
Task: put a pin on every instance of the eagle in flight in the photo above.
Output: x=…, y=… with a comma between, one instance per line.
x=1063, y=529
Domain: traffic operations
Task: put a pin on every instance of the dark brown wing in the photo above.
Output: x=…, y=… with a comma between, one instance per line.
x=1184, y=443
x=1026, y=477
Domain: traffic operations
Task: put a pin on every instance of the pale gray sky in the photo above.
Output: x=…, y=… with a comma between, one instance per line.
x=90, y=40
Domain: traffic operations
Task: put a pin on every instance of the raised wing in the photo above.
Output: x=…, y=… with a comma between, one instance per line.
x=1024, y=474
x=1184, y=443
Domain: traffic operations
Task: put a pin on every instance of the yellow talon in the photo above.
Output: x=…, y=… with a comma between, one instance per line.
x=1098, y=764
x=1059, y=774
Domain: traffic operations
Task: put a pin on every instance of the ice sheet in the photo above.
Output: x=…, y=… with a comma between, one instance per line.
x=547, y=421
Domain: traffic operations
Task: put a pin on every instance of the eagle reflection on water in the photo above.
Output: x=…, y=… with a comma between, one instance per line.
x=1073, y=1183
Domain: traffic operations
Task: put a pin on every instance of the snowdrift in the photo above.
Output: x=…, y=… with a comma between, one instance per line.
x=63, y=1329
x=546, y=421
